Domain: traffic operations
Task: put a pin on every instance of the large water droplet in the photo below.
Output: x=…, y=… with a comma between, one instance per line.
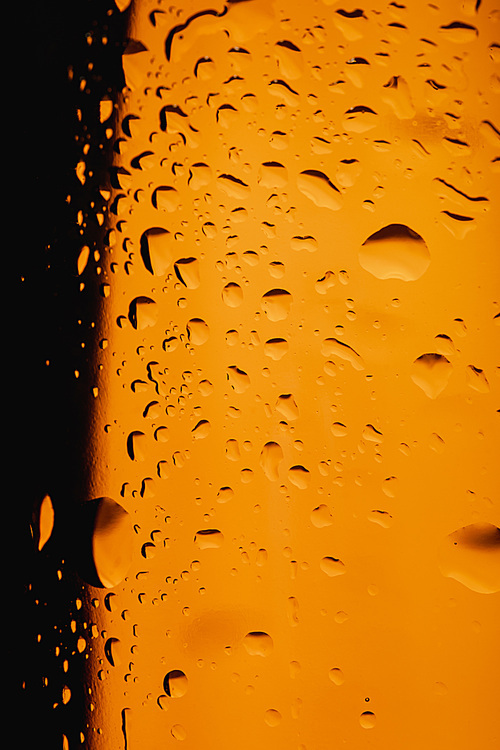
x=332, y=566
x=471, y=556
x=395, y=252
x=156, y=250
x=258, y=643
x=317, y=187
x=431, y=373
x=276, y=304
x=270, y=458
x=175, y=683
x=111, y=541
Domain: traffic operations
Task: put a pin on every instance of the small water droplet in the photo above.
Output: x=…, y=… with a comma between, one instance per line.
x=258, y=643
x=332, y=566
x=175, y=683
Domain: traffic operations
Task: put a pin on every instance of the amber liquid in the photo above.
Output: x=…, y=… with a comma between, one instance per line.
x=295, y=418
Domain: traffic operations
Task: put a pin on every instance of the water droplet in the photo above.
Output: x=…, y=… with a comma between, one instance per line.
x=175, y=683
x=380, y=517
x=476, y=379
x=137, y=446
x=395, y=252
x=111, y=542
x=166, y=198
x=272, y=717
x=359, y=119
x=201, y=429
x=287, y=407
x=431, y=372
x=336, y=675
x=299, y=476
x=319, y=189
x=198, y=331
x=209, y=539
x=272, y=175
x=238, y=379
x=45, y=521
x=232, y=295
x=276, y=304
x=178, y=732
x=471, y=556
x=332, y=566
x=156, y=250
x=112, y=651
x=270, y=458
x=143, y=313
x=321, y=517
x=187, y=271
x=339, y=429
x=371, y=434
x=336, y=348
x=276, y=348
x=367, y=720
x=258, y=643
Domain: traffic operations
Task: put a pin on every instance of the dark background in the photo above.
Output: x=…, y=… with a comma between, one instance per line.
x=51, y=408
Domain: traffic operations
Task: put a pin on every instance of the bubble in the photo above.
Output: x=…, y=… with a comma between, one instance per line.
x=232, y=295
x=209, y=539
x=276, y=304
x=431, y=372
x=270, y=458
x=332, y=566
x=272, y=717
x=395, y=252
x=321, y=517
x=319, y=189
x=276, y=348
x=367, y=719
x=175, y=683
x=258, y=643
x=336, y=676
x=471, y=555
x=198, y=331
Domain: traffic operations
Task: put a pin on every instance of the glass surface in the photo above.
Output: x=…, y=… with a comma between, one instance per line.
x=290, y=539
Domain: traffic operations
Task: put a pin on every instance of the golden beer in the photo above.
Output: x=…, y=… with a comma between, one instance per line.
x=291, y=537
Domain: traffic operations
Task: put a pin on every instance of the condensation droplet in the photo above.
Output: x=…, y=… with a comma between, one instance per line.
x=112, y=651
x=287, y=407
x=45, y=521
x=276, y=348
x=367, y=720
x=111, y=542
x=332, y=566
x=395, y=252
x=209, y=539
x=321, y=516
x=187, y=271
x=156, y=250
x=272, y=717
x=232, y=295
x=431, y=372
x=319, y=189
x=198, y=331
x=336, y=676
x=276, y=304
x=471, y=556
x=175, y=683
x=270, y=458
x=335, y=348
x=258, y=643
